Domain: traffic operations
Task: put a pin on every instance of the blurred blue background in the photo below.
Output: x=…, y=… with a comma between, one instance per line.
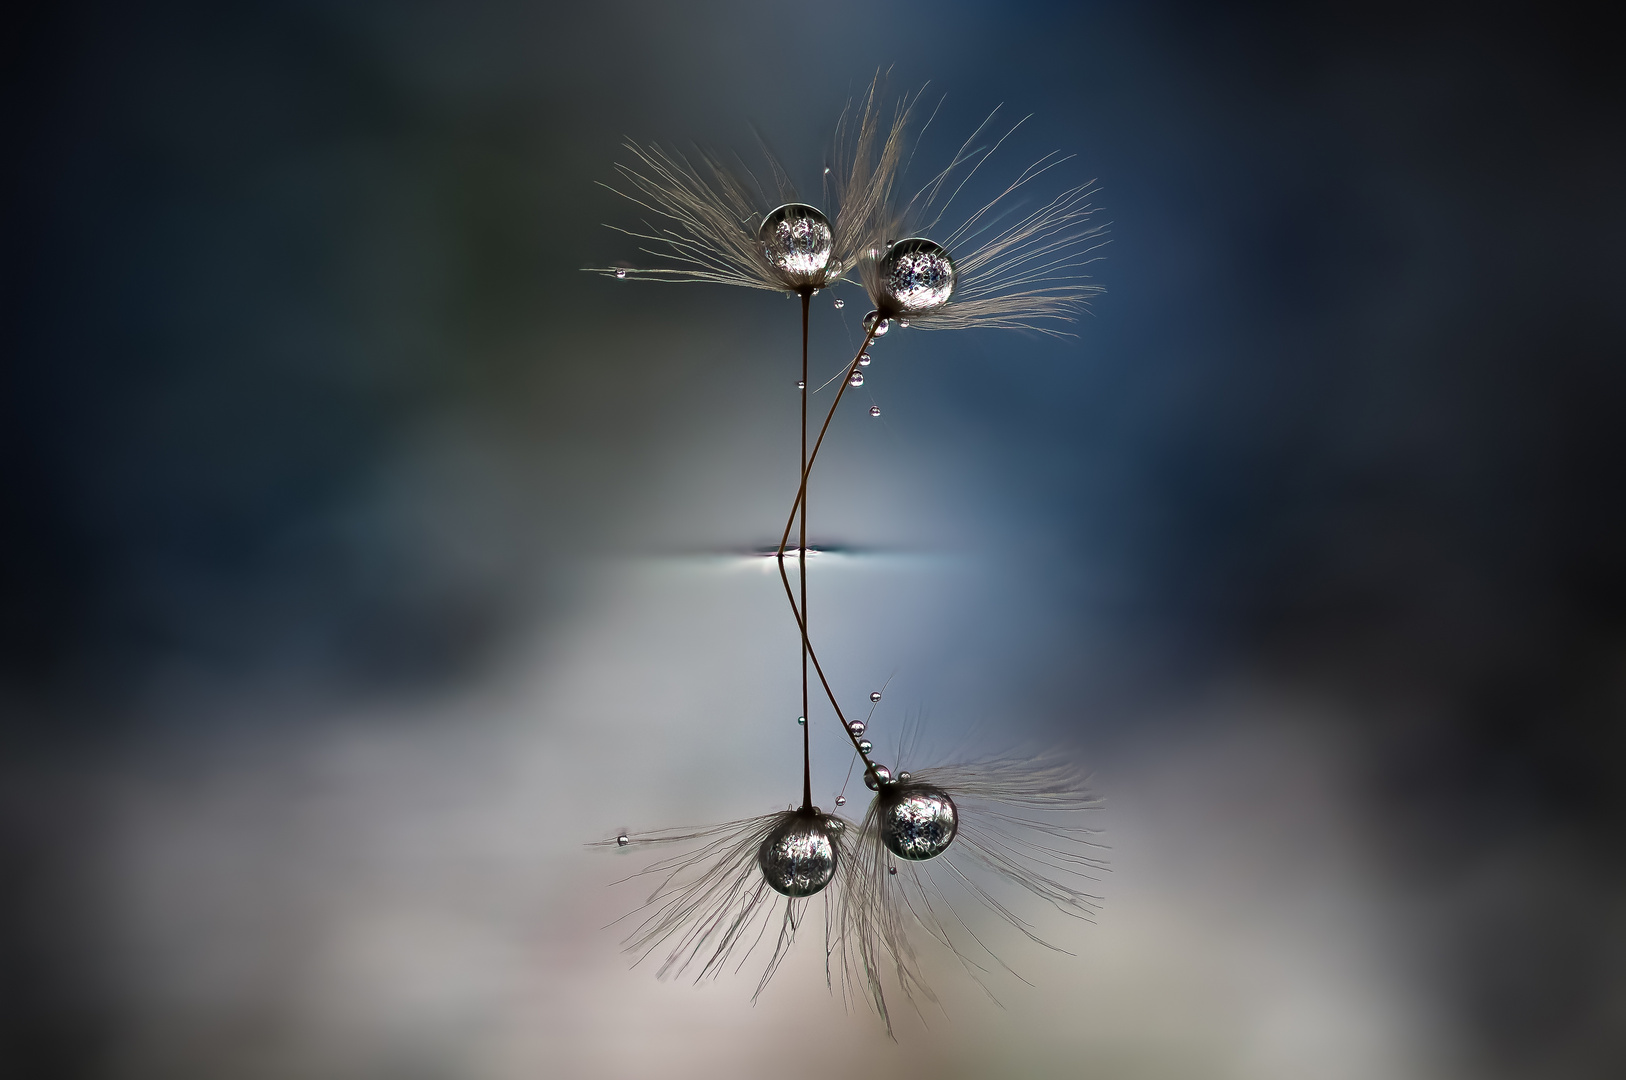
x=366, y=557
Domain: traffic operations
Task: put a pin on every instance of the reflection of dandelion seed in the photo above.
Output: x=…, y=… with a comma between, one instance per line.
x=709, y=899
x=929, y=837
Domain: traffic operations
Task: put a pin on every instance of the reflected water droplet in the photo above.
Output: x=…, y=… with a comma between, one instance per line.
x=875, y=695
x=875, y=410
x=798, y=857
x=623, y=840
x=879, y=327
x=855, y=726
x=801, y=719
x=864, y=359
x=800, y=385
x=841, y=800
x=622, y=274
x=892, y=869
x=917, y=822
x=840, y=304
x=865, y=746
x=902, y=777
x=856, y=378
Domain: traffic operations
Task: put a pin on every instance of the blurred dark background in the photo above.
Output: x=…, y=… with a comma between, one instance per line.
x=309, y=412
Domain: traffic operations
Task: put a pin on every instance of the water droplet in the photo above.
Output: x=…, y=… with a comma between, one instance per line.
x=801, y=719
x=841, y=800
x=856, y=727
x=856, y=379
x=800, y=385
x=902, y=777
x=875, y=410
x=916, y=275
x=875, y=695
x=917, y=822
x=817, y=291
x=621, y=274
x=892, y=869
x=827, y=170
x=798, y=857
x=879, y=327
x=864, y=359
x=796, y=240
x=876, y=775
x=903, y=322
x=840, y=304
x=865, y=746
x=623, y=840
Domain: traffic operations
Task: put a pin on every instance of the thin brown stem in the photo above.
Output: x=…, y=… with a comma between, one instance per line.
x=801, y=573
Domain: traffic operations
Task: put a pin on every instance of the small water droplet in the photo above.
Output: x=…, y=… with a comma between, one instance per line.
x=892, y=869
x=864, y=359
x=840, y=303
x=856, y=727
x=856, y=379
x=800, y=385
x=621, y=274
x=880, y=327
x=623, y=840
x=827, y=170
x=841, y=800
x=876, y=775
x=903, y=776
x=817, y=291
x=801, y=719
x=865, y=746
x=875, y=410
x=875, y=695
x=903, y=322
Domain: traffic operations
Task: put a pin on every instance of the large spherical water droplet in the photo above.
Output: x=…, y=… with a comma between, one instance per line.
x=798, y=858
x=875, y=695
x=840, y=304
x=880, y=327
x=623, y=840
x=917, y=821
x=875, y=410
x=841, y=800
x=916, y=275
x=864, y=359
x=801, y=719
x=856, y=727
x=865, y=746
x=796, y=240
x=876, y=775
x=856, y=379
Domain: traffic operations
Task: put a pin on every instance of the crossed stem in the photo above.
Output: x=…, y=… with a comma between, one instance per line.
x=800, y=506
